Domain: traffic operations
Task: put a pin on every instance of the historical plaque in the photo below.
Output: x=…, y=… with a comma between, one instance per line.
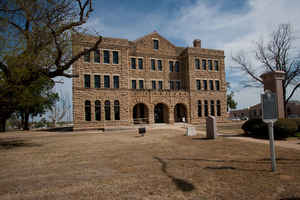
x=269, y=106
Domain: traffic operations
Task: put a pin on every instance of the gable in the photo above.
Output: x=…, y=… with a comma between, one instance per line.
x=146, y=44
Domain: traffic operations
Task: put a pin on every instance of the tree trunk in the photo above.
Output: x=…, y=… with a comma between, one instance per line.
x=26, y=121
x=3, y=125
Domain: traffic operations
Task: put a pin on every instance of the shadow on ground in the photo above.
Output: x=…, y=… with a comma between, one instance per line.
x=10, y=144
x=181, y=184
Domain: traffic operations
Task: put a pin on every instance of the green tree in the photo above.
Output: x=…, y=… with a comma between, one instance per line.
x=231, y=104
x=36, y=41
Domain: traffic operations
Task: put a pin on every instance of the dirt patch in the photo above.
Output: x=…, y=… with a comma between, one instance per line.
x=164, y=164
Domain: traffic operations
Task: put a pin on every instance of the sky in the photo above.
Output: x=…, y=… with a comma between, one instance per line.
x=230, y=25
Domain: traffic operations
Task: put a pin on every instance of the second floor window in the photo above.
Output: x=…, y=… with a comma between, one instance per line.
x=197, y=63
x=159, y=65
x=211, y=85
x=198, y=83
x=152, y=64
x=153, y=85
x=160, y=85
x=87, y=81
x=178, y=85
x=133, y=84
x=86, y=57
x=141, y=84
x=217, y=85
x=205, y=84
x=140, y=60
x=133, y=63
x=97, y=56
x=106, y=56
x=171, y=85
x=97, y=81
x=106, y=81
x=115, y=57
x=171, y=66
x=116, y=82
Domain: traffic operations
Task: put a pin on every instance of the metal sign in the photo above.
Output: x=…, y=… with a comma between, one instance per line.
x=269, y=107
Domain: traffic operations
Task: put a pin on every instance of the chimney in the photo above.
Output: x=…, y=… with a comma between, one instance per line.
x=197, y=43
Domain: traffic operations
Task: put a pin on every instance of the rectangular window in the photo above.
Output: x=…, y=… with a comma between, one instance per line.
x=97, y=56
x=87, y=81
x=210, y=65
x=171, y=85
x=176, y=66
x=216, y=65
x=217, y=85
x=160, y=85
x=133, y=84
x=212, y=107
x=106, y=81
x=116, y=82
x=205, y=108
x=87, y=56
x=178, y=86
x=159, y=65
x=141, y=84
x=203, y=64
x=106, y=56
x=155, y=44
x=171, y=66
x=153, y=85
x=133, y=63
x=199, y=108
x=197, y=63
x=211, y=85
x=198, y=82
x=205, y=84
x=152, y=64
x=140, y=61
x=115, y=57
x=97, y=81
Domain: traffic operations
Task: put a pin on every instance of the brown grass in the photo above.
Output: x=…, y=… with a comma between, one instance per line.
x=162, y=165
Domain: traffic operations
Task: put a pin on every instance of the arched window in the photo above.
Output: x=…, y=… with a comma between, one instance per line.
x=117, y=109
x=199, y=108
x=107, y=110
x=97, y=110
x=87, y=108
x=218, y=108
x=205, y=108
x=212, y=108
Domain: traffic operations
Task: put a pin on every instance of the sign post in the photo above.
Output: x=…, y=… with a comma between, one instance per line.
x=270, y=116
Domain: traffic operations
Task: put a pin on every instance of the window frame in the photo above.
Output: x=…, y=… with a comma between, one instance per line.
x=113, y=55
x=99, y=83
x=106, y=84
x=114, y=82
x=98, y=56
x=106, y=57
x=87, y=84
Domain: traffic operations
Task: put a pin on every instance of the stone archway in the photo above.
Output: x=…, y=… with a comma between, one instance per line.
x=140, y=114
x=180, y=113
x=161, y=113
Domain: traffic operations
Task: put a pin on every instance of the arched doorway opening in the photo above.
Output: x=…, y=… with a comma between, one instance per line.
x=180, y=113
x=161, y=113
x=140, y=114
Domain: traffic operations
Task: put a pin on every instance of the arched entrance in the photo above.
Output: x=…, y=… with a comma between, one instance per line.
x=161, y=113
x=180, y=113
x=140, y=114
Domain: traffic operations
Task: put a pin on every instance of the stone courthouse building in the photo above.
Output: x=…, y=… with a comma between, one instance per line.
x=148, y=80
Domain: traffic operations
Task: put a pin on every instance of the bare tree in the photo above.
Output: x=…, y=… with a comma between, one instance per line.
x=60, y=109
x=275, y=55
x=36, y=41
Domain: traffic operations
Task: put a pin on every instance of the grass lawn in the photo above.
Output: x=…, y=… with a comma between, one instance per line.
x=162, y=165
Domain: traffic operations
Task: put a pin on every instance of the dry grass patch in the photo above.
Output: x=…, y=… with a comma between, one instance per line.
x=162, y=165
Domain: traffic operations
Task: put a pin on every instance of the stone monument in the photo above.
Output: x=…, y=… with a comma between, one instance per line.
x=211, y=127
x=191, y=131
x=273, y=81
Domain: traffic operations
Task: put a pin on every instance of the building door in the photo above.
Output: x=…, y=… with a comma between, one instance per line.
x=161, y=114
x=180, y=113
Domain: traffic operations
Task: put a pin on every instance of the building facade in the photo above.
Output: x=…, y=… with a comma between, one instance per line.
x=148, y=80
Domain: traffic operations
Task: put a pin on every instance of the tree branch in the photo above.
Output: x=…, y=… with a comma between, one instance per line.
x=293, y=91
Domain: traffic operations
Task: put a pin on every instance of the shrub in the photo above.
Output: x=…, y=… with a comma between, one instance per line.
x=298, y=123
x=283, y=128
